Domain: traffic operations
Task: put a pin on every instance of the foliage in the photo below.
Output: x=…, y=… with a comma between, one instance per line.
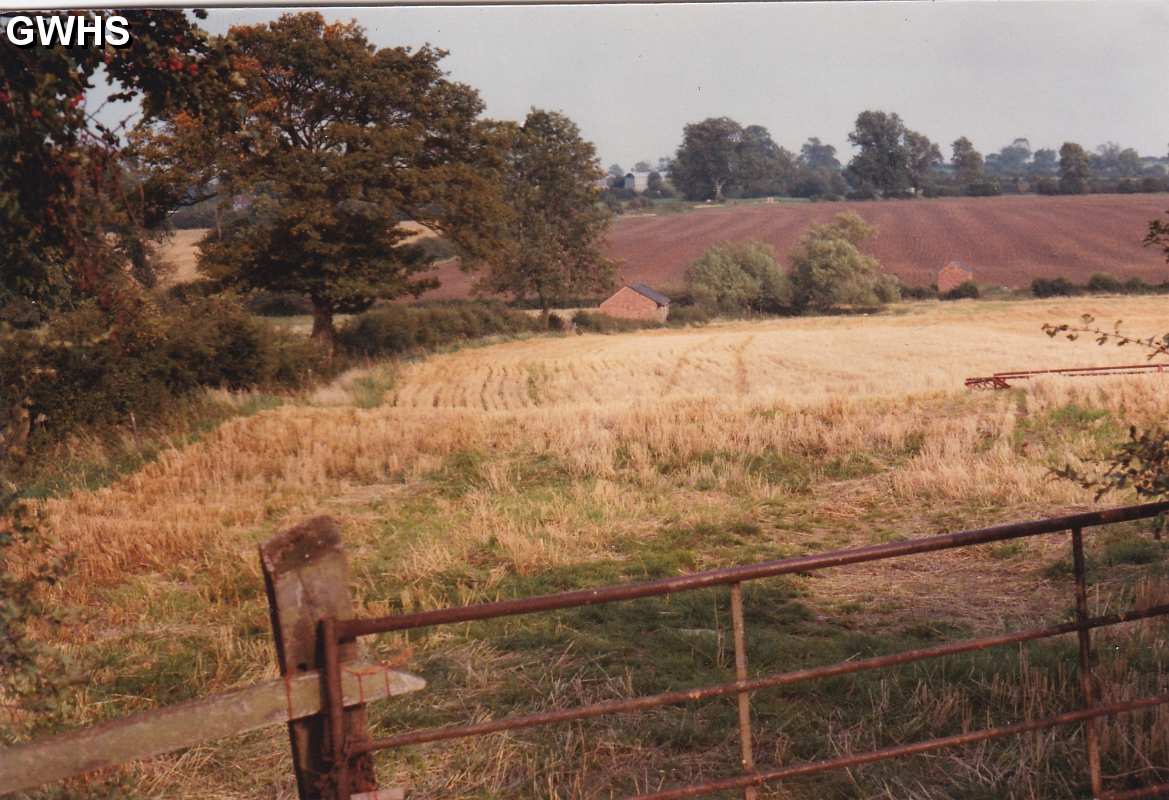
x=1074, y=169
x=69, y=207
x=719, y=157
x=395, y=329
x=966, y=160
x=29, y=678
x=828, y=268
x=683, y=314
x=883, y=162
x=599, y=322
x=967, y=290
x=337, y=141
x=734, y=277
x=923, y=157
x=816, y=155
x=1053, y=287
x=556, y=225
x=89, y=370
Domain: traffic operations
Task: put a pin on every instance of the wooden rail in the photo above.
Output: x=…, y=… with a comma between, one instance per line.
x=306, y=575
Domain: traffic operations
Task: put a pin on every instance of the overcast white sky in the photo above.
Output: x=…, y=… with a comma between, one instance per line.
x=632, y=76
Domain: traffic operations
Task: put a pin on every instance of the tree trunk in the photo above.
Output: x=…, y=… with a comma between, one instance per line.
x=718, y=191
x=323, y=331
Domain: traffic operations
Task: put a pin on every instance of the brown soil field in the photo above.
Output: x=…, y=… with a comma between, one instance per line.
x=1005, y=240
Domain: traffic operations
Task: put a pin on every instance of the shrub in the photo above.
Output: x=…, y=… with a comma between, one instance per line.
x=279, y=304
x=597, y=322
x=395, y=328
x=1103, y=282
x=736, y=277
x=92, y=370
x=1047, y=186
x=687, y=315
x=987, y=187
x=828, y=268
x=1053, y=287
x=967, y=290
x=21, y=314
x=920, y=292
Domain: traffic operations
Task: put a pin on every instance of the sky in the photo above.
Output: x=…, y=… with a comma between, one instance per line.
x=632, y=76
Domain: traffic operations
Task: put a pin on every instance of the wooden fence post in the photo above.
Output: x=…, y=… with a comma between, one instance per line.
x=307, y=578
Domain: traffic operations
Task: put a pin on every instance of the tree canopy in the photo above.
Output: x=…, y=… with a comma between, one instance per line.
x=68, y=206
x=883, y=163
x=828, y=269
x=337, y=142
x=556, y=225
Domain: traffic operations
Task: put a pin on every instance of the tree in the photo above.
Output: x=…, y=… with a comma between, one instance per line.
x=828, y=268
x=557, y=225
x=337, y=142
x=763, y=167
x=642, y=166
x=966, y=160
x=883, y=160
x=1074, y=169
x=615, y=171
x=708, y=158
x=924, y=157
x=1044, y=161
x=69, y=208
x=1012, y=159
x=733, y=277
x=816, y=155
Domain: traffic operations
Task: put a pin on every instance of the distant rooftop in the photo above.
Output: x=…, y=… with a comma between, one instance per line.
x=645, y=291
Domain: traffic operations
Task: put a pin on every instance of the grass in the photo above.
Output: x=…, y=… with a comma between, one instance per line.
x=556, y=463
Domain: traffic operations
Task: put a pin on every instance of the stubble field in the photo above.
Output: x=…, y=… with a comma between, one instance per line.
x=562, y=462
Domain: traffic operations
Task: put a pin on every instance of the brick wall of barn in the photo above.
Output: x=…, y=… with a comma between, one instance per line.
x=628, y=304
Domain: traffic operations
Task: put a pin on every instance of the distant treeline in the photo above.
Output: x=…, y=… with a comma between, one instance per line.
x=720, y=158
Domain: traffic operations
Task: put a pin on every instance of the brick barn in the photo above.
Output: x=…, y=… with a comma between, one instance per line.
x=637, y=301
x=953, y=275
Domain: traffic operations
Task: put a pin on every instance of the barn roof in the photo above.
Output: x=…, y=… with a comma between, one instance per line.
x=645, y=291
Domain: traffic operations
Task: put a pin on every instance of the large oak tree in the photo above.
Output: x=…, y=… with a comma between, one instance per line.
x=337, y=143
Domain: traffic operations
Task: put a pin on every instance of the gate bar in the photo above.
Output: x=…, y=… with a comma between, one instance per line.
x=351, y=628
x=886, y=753
x=517, y=722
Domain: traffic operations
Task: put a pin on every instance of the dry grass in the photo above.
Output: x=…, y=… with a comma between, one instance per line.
x=489, y=471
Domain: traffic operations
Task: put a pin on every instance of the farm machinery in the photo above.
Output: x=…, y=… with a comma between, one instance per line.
x=1003, y=380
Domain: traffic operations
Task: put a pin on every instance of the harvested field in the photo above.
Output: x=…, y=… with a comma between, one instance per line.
x=571, y=461
x=1006, y=240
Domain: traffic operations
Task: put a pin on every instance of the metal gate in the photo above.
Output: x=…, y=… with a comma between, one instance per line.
x=338, y=632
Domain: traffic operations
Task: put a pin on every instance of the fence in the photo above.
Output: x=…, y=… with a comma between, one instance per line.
x=324, y=688
x=1002, y=380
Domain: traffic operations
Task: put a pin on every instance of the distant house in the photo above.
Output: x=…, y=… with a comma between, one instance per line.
x=637, y=301
x=637, y=181
x=952, y=276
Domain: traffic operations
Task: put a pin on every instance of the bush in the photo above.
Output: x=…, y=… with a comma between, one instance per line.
x=967, y=290
x=1053, y=287
x=93, y=370
x=1103, y=282
x=737, y=277
x=828, y=268
x=279, y=304
x=687, y=315
x=987, y=187
x=920, y=292
x=597, y=322
x=395, y=329
x=1047, y=186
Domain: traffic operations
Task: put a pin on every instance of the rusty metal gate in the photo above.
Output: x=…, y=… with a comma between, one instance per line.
x=337, y=633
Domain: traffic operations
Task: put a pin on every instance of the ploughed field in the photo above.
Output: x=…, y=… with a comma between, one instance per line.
x=563, y=461
x=1006, y=240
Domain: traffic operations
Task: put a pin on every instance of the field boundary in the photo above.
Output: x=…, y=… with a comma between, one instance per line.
x=325, y=687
